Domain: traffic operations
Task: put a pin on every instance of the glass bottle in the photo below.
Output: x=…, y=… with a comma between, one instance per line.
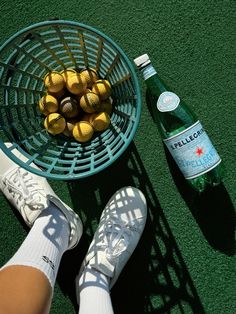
x=181, y=131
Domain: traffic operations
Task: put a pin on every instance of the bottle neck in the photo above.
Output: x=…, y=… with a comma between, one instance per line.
x=151, y=77
x=148, y=71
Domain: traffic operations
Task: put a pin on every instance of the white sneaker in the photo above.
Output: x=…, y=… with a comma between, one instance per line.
x=31, y=194
x=120, y=228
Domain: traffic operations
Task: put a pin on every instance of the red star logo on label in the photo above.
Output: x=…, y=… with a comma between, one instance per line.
x=199, y=151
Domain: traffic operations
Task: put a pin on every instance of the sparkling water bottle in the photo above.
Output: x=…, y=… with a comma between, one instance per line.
x=181, y=131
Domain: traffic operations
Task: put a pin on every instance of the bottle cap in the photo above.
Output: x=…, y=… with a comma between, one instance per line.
x=142, y=60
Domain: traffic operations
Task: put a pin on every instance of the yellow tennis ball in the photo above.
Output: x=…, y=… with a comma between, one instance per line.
x=106, y=105
x=67, y=72
x=86, y=91
x=57, y=95
x=90, y=75
x=69, y=107
x=83, y=131
x=68, y=131
x=89, y=102
x=54, y=123
x=88, y=117
x=102, y=88
x=101, y=121
x=54, y=82
x=48, y=104
x=76, y=83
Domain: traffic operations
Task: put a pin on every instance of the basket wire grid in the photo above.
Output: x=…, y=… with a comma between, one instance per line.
x=56, y=45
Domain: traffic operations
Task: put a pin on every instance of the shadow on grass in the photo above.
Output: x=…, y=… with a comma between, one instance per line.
x=213, y=210
x=156, y=279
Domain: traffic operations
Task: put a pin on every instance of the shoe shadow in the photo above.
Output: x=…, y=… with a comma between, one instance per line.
x=213, y=210
x=156, y=279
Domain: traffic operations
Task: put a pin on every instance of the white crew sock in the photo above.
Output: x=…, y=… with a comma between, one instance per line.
x=94, y=293
x=45, y=244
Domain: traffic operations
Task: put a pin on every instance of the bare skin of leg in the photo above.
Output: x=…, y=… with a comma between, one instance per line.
x=23, y=290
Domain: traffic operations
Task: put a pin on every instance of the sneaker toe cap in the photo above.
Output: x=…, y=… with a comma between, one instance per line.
x=129, y=204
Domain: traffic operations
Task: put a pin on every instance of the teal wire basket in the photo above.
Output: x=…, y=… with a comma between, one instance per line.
x=25, y=58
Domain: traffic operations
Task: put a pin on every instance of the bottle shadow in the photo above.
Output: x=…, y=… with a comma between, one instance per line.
x=156, y=278
x=213, y=210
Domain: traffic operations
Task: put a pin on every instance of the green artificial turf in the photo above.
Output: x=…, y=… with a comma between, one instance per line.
x=185, y=261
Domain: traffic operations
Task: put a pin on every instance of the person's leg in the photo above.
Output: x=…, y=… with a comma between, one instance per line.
x=94, y=292
x=24, y=290
x=28, y=278
x=120, y=228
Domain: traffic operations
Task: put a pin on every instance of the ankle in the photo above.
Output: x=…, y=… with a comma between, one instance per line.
x=93, y=277
x=55, y=214
x=56, y=225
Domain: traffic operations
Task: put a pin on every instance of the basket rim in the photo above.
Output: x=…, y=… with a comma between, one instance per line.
x=65, y=177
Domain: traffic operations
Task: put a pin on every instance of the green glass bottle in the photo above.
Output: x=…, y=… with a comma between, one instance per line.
x=181, y=131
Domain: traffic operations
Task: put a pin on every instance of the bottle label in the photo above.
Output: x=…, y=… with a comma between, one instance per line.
x=167, y=101
x=148, y=71
x=193, y=151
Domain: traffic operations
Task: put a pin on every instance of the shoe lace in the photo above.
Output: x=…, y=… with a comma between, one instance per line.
x=116, y=238
x=24, y=189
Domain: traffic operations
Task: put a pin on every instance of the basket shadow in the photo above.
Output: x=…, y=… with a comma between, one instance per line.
x=213, y=210
x=160, y=281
